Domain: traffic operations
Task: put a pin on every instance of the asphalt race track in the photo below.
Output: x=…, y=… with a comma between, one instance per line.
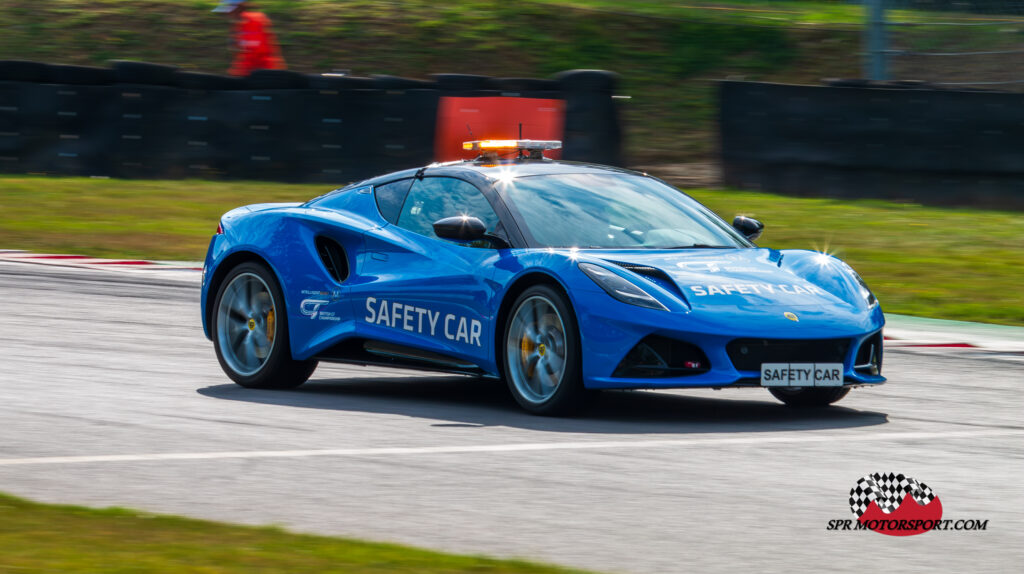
x=111, y=395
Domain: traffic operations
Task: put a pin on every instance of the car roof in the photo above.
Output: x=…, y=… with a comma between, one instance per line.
x=490, y=171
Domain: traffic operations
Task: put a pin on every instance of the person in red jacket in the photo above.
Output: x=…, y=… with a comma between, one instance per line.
x=257, y=47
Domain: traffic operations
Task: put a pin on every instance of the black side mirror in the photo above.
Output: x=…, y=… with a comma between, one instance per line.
x=460, y=228
x=749, y=227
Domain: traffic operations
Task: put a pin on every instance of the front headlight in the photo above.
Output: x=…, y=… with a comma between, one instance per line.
x=620, y=288
x=865, y=292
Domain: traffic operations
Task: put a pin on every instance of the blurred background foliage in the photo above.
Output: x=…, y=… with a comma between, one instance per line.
x=668, y=53
x=667, y=59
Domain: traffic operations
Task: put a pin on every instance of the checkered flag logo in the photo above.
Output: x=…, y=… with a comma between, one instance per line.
x=887, y=491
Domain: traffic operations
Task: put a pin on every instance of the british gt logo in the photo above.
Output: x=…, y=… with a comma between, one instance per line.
x=311, y=307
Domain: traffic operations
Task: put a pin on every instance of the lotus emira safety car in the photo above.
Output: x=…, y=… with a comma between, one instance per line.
x=563, y=278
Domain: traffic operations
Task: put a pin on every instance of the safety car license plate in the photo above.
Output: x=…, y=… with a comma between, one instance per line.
x=801, y=374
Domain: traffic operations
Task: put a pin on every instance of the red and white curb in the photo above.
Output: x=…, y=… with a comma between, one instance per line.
x=893, y=342
x=183, y=268
x=962, y=337
x=901, y=332
x=925, y=343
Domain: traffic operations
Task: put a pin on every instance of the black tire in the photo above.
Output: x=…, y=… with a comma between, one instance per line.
x=23, y=71
x=599, y=81
x=847, y=83
x=385, y=82
x=809, y=397
x=460, y=82
x=276, y=80
x=80, y=75
x=341, y=83
x=201, y=81
x=145, y=73
x=569, y=394
x=278, y=369
x=521, y=85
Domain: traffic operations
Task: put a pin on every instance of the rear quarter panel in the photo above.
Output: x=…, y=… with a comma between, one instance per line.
x=284, y=238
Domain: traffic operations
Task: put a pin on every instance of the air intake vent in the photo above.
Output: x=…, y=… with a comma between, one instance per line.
x=646, y=270
x=333, y=257
x=869, y=356
x=658, y=357
x=656, y=275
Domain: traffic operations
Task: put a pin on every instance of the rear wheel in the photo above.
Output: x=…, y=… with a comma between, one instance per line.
x=250, y=329
x=821, y=397
x=542, y=353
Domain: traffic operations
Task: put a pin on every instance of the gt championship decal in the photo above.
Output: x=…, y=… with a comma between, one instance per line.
x=898, y=505
x=419, y=320
x=312, y=307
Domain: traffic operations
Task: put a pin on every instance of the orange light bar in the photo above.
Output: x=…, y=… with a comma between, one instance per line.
x=482, y=145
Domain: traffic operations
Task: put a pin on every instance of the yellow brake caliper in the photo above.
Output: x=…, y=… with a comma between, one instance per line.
x=526, y=347
x=270, y=325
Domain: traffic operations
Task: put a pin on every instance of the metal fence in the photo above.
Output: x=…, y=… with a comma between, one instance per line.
x=951, y=43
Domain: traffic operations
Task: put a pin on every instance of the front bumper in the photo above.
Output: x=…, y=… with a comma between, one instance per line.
x=610, y=331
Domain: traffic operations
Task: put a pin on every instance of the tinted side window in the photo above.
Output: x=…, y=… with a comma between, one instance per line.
x=434, y=198
x=390, y=197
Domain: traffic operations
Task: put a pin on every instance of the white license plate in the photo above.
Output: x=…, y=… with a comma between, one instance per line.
x=802, y=375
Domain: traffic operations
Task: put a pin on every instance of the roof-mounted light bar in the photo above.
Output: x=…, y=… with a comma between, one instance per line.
x=495, y=145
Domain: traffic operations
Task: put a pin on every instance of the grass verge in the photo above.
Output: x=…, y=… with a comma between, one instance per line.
x=947, y=263
x=944, y=263
x=54, y=538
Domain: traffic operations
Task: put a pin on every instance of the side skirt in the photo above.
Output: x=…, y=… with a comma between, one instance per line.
x=368, y=352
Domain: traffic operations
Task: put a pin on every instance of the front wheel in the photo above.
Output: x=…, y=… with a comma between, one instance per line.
x=542, y=353
x=810, y=397
x=250, y=329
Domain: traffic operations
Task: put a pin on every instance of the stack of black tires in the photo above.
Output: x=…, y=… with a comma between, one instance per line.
x=143, y=120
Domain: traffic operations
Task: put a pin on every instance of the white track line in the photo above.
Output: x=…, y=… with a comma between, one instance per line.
x=523, y=447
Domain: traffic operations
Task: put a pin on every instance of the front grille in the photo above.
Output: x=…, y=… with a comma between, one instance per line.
x=748, y=354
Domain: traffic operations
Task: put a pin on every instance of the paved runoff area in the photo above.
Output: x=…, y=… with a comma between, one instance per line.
x=111, y=396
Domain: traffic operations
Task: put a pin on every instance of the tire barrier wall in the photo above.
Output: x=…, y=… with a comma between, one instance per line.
x=140, y=120
x=930, y=146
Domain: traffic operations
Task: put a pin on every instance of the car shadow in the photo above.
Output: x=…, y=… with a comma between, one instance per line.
x=453, y=401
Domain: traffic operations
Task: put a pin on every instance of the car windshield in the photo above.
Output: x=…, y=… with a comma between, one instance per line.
x=613, y=211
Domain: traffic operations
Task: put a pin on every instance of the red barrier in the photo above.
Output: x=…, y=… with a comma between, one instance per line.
x=495, y=118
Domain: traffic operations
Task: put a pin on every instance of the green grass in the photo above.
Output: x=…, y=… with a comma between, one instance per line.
x=119, y=218
x=951, y=263
x=946, y=263
x=50, y=538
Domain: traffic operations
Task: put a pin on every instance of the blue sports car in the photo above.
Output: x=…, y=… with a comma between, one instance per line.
x=562, y=278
